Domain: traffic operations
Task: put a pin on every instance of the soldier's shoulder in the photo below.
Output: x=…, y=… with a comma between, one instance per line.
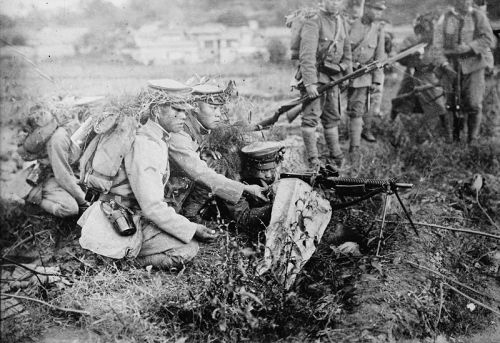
x=60, y=135
x=478, y=14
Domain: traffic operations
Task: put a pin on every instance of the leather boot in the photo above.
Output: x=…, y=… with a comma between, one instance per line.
x=312, y=155
x=446, y=129
x=367, y=133
x=333, y=144
x=354, y=161
x=355, y=128
x=473, y=126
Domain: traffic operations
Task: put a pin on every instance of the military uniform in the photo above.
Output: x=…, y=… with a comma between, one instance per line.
x=139, y=186
x=324, y=42
x=421, y=83
x=465, y=41
x=57, y=190
x=367, y=44
x=194, y=179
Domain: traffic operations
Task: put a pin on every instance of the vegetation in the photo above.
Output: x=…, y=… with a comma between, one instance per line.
x=337, y=297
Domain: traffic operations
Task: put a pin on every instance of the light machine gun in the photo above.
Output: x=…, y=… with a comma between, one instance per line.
x=292, y=109
x=359, y=188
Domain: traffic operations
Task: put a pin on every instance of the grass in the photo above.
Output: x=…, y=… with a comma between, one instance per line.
x=218, y=298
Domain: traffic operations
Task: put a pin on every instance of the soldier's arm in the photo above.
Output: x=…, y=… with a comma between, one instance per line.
x=346, y=61
x=181, y=151
x=378, y=74
x=145, y=175
x=309, y=38
x=437, y=48
x=58, y=149
x=484, y=33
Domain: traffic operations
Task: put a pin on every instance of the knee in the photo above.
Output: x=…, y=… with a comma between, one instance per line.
x=330, y=124
x=59, y=209
x=189, y=251
x=309, y=121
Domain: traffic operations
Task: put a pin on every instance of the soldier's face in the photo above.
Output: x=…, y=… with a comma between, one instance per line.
x=171, y=119
x=333, y=6
x=463, y=6
x=209, y=115
x=373, y=13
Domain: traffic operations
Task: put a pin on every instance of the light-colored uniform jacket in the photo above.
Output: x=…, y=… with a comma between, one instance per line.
x=63, y=155
x=367, y=44
x=142, y=178
x=317, y=33
x=476, y=33
x=184, y=154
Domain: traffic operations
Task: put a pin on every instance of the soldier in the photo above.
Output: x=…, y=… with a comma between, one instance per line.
x=168, y=239
x=191, y=158
x=55, y=188
x=324, y=55
x=420, y=85
x=367, y=44
x=463, y=39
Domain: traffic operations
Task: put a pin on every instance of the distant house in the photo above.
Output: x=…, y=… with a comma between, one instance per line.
x=158, y=44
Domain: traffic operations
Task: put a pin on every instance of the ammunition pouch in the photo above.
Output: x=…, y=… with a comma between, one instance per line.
x=329, y=68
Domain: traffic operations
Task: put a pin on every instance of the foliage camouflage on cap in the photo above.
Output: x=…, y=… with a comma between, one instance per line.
x=151, y=98
x=425, y=22
x=53, y=108
x=219, y=98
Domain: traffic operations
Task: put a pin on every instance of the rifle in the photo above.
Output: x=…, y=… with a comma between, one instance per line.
x=295, y=106
x=327, y=178
x=414, y=91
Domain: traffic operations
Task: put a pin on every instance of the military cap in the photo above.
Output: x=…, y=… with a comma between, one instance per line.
x=378, y=4
x=171, y=92
x=263, y=155
x=169, y=85
x=212, y=94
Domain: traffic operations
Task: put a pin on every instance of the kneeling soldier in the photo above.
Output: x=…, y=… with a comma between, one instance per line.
x=49, y=142
x=168, y=239
x=193, y=160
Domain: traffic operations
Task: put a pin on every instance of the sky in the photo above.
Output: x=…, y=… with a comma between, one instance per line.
x=19, y=8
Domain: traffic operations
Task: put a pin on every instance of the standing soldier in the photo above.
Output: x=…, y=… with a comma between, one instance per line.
x=420, y=85
x=324, y=55
x=367, y=44
x=463, y=38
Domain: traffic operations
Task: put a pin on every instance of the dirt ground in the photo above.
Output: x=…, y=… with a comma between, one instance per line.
x=408, y=293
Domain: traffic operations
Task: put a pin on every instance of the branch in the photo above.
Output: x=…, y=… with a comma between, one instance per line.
x=480, y=233
x=473, y=300
x=46, y=304
x=451, y=280
x=33, y=235
x=28, y=268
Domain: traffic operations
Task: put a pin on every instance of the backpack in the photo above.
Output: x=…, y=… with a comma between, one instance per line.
x=103, y=156
x=295, y=21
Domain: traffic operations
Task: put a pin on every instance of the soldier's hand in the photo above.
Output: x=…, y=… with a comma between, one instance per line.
x=257, y=192
x=375, y=88
x=312, y=91
x=449, y=71
x=463, y=49
x=204, y=234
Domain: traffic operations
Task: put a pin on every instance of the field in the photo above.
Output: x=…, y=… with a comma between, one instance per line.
x=404, y=295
